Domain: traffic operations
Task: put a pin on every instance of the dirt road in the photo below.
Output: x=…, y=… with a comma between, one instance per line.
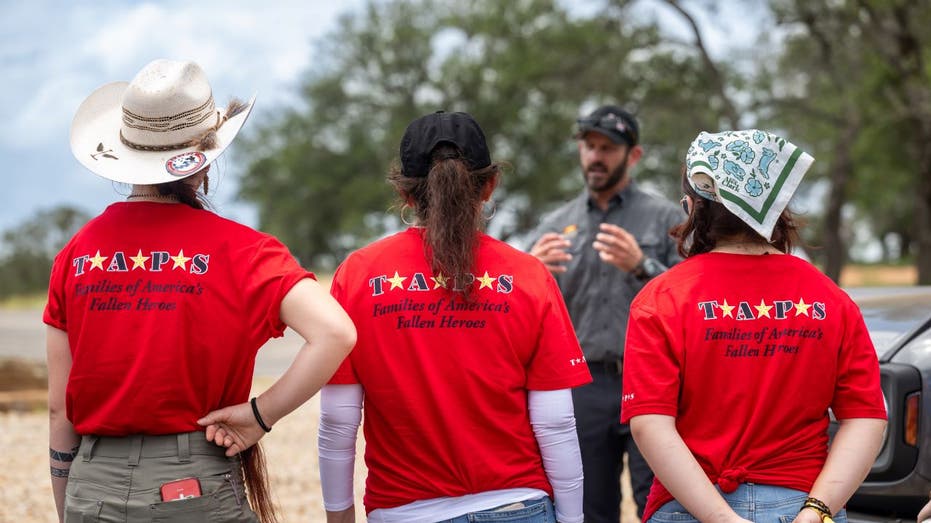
x=22, y=335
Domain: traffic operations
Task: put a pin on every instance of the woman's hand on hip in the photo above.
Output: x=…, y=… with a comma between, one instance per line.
x=233, y=427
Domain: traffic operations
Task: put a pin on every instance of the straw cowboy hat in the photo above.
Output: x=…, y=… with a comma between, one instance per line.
x=161, y=127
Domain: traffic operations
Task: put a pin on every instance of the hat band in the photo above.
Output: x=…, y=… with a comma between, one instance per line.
x=172, y=147
x=168, y=124
x=162, y=124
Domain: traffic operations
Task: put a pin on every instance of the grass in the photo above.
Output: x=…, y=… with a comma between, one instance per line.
x=862, y=275
x=29, y=301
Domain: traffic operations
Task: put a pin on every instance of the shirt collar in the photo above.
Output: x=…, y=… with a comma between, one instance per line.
x=616, y=200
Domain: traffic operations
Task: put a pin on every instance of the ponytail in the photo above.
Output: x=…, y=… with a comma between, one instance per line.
x=256, y=481
x=447, y=203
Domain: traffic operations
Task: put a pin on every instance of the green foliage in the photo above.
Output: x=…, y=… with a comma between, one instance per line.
x=27, y=250
x=833, y=72
x=526, y=70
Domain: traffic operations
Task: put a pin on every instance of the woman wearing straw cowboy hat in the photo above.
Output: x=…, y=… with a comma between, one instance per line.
x=156, y=310
x=735, y=355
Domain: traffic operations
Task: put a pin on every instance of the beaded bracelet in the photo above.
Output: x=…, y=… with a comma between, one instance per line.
x=823, y=510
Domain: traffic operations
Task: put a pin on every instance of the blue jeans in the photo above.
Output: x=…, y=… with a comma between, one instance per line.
x=757, y=503
x=533, y=511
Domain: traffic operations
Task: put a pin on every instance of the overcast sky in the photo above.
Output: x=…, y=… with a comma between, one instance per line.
x=55, y=53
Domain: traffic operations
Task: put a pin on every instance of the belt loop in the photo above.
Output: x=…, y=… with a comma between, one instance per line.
x=88, y=442
x=135, y=450
x=184, y=447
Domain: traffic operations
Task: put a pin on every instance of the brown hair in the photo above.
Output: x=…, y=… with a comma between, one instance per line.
x=447, y=202
x=710, y=222
x=185, y=192
x=257, y=487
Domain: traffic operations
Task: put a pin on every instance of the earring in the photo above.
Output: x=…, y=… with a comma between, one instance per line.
x=405, y=221
x=494, y=210
x=206, y=184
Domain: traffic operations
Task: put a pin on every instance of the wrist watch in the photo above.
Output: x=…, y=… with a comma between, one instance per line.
x=647, y=269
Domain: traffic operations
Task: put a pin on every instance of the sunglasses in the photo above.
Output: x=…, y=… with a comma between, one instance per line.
x=685, y=204
x=611, y=122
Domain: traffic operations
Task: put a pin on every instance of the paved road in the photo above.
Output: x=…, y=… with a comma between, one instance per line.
x=22, y=334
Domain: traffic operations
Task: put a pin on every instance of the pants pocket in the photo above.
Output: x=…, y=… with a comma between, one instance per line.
x=672, y=512
x=191, y=510
x=536, y=513
x=224, y=499
x=80, y=510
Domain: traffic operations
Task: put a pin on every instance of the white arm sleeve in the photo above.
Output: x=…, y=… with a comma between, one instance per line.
x=340, y=416
x=553, y=420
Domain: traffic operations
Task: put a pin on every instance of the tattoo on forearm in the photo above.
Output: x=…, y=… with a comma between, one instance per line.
x=64, y=457
x=59, y=473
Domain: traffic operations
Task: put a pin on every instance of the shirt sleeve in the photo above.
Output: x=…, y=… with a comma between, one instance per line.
x=54, y=314
x=857, y=391
x=557, y=362
x=651, y=365
x=270, y=274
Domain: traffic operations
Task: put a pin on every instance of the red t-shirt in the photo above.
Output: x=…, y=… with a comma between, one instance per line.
x=748, y=353
x=446, y=380
x=165, y=307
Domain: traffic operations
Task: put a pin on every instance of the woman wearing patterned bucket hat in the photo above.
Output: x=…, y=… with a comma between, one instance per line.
x=735, y=355
x=156, y=309
x=465, y=360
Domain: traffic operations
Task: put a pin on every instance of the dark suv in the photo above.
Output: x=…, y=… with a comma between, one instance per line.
x=899, y=321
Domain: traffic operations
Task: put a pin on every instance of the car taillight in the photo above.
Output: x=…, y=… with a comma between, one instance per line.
x=912, y=407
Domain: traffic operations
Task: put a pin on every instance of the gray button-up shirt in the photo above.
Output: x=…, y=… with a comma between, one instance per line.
x=597, y=294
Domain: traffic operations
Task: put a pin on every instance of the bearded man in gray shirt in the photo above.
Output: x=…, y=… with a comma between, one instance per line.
x=602, y=247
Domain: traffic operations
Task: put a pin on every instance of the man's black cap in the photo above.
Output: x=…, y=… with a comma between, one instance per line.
x=612, y=121
x=425, y=133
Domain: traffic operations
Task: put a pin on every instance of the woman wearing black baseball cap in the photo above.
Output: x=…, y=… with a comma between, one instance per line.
x=465, y=359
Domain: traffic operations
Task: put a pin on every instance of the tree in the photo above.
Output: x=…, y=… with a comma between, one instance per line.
x=894, y=29
x=816, y=91
x=29, y=249
x=854, y=82
x=525, y=70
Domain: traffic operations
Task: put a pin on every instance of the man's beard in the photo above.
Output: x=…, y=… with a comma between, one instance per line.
x=608, y=182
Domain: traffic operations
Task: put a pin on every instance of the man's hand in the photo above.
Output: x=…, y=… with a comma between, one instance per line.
x=551, y=250
x=617, y=247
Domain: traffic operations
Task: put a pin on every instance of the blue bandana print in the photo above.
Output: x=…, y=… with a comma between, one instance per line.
x=751, y=172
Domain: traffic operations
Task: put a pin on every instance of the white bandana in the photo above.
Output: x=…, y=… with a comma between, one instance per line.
x=752, y=173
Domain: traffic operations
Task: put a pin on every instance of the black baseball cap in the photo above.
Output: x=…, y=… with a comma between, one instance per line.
x=424, y=134
x=612, y=121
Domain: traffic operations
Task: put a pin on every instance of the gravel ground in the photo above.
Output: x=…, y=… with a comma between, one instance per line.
x=25, y=490
x=26, y=494
x=291, y=451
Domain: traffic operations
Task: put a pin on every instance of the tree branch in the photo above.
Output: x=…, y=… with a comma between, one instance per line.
x=717, y=77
